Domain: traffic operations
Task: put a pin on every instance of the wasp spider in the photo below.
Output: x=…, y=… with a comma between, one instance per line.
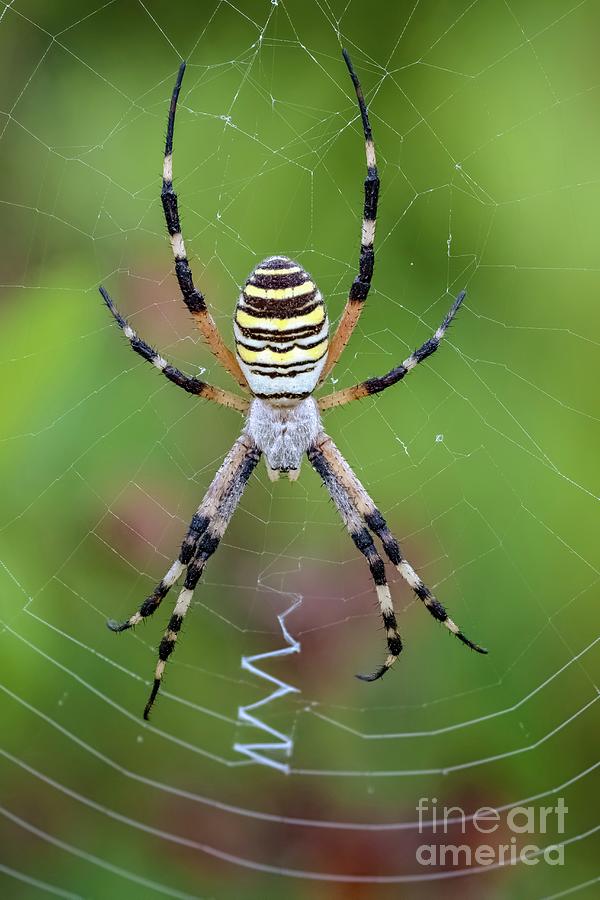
x=282, y=355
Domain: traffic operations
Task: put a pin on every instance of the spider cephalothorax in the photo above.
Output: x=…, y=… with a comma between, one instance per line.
x=282, y=355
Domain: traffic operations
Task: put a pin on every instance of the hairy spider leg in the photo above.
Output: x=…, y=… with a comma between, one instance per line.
x=205, y=547
x=377, y=384
x=192, y=297
x=364, y=542
x=362, y=283
x=375, y=521
x=189, y=384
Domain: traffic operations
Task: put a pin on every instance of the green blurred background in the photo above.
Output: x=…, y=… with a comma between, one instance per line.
x=484, y=462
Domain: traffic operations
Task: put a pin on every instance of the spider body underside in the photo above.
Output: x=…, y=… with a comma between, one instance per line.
x=283, y=354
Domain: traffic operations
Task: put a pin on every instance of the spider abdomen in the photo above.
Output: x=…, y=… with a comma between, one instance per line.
x=281, y=331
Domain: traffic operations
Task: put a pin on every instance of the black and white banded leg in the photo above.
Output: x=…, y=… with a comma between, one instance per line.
x=364, y=542
x=375, y=521
x=193, y=298
x=189, y=384
x=378, y=384
x=232, y=469
x=378, y=526
x=206, y=529
x=361, y=285
x=205, y=548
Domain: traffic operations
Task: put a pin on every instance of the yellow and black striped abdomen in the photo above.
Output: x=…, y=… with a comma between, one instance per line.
x=281, y=330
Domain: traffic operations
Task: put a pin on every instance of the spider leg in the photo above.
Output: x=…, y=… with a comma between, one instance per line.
x=204, y=549
x=375, y=385
x=191, y=385
x=364, y=542
x=362, y=283
x=222, y=484
x=192, y=297
x=375, y=521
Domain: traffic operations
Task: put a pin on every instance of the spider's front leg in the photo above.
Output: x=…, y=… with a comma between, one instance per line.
x=364, y=542
x=206, y=529
x=341, y=482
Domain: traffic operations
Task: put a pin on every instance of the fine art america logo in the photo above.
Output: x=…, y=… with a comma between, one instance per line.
x=487, y=836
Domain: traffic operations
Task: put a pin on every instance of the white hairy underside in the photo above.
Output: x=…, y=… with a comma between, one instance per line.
x=283, y=433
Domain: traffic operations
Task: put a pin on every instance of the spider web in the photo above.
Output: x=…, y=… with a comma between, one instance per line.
x=266, y=768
